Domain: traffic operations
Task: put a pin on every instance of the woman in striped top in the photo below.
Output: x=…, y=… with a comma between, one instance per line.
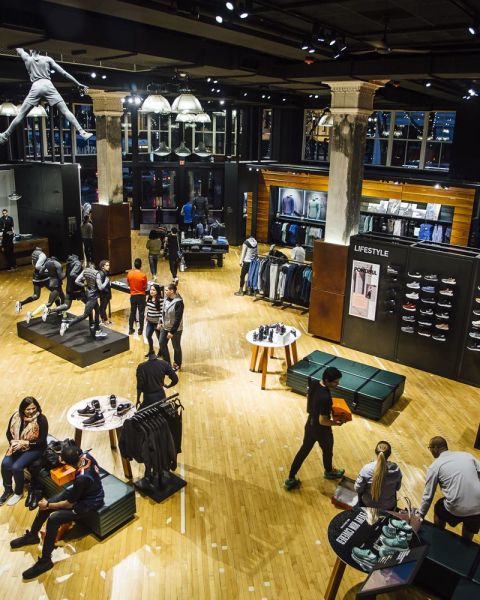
x=154, y=315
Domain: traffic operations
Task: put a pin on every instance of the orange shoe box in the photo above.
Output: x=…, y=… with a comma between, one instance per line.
x=62, y=475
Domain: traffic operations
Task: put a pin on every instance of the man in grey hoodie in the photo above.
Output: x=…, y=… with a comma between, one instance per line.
x=378, y=481
x=249, y=252
x=172, y=326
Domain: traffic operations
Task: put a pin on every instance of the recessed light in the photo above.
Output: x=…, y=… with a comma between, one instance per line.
x=219, y=19
x=93, y=74
x=230, y=5
x=104, y=76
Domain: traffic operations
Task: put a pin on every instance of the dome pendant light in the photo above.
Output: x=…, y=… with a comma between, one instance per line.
x=186, y=117
x=156, y=103
x=163, y=150
x=7, y=109
x=182, y=150
x=187, y=103
x=201, y=150
x=37, y=111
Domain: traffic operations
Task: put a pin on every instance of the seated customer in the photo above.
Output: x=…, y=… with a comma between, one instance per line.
x=27, y=437
x=378, y=481
x=84, y=496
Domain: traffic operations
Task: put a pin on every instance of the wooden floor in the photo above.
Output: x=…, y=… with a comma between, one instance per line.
x=234, y=532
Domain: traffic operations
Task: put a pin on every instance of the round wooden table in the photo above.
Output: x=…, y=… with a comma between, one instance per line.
x=113, y=423
x=265, y=349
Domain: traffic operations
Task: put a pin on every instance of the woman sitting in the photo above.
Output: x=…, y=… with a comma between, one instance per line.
x=27, y=437
x=378, y=481
x=154, y=316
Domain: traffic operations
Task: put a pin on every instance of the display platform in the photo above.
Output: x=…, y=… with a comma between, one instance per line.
x=77, y=345
x=197, y=249
x=368, y=391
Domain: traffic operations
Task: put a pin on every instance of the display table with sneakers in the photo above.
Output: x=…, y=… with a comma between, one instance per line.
x=98, y=413
x=265, y=349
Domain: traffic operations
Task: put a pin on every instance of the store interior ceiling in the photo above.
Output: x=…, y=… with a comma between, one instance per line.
x=428, y=51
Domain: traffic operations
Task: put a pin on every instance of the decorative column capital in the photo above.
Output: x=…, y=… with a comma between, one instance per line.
x=353, y=97
x=107, y=104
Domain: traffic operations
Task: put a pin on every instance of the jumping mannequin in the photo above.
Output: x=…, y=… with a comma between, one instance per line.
x=40, y=278
x=39, y=69
x=53, y=269
x=91, y=280
x=73, y=291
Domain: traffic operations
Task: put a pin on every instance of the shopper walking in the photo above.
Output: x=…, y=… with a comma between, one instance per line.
x=458, y=474
x=318, y=427
x=86, y=230
x=151, y=380
x=379, y=481
x=249, y=252
x=105, y=293
x=172, y=326
x=8, y=233
x=154, y=247
x=137, y=282
x=173, y=252
x=154, y=316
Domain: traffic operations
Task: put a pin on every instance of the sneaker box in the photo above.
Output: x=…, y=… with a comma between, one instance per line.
x=62, y=475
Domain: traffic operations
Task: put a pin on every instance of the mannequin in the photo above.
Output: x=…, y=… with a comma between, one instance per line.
x=39, y=278
x=53, y=269
x=73, y=292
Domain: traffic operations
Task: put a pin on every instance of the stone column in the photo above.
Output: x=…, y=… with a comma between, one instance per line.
x=351, y=105
x=108, y=111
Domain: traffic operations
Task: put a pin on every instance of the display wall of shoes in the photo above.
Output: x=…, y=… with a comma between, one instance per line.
x=392, y=295
x=473, y=342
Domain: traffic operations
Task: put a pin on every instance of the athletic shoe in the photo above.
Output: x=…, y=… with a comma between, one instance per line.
x=25, y=540
x=439, y=337
x=334, y=474
x=15, y=499
x=425, y=323
x=385, y=552
x=409, y=306
x=87, y=411
x=426, y=311
x=43, y=564
x=415, y=275
x=131, y=331
x=477, y=300
x=122, y=409
x=414, y=285
x=5, y=496
x=364, y=557
x=45, y=313
x=28, y=317
x=429, y=289
x=85, y=135
x=474, y=347
x=399, y=542
x=392, y=532
x=444, y=304
x=476, y=323
x=391, y=270
x=412, y=296
x=95, y=420
x=113, y=401
x=474, y=334
x=446, y=292
x=431, y=277
x=409, y=318
x=443, y=326
x=99, y=334
x=449, y=281
x=424, y=332
x=442, y=315
x=63, y=327
x=476, y=313
x=401, y=525
x=18, y=306
x=291, y=484
x=407, y=329
x=428, y=300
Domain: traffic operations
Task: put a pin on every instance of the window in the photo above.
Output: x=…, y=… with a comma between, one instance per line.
x=378, y=133
x=316, y=137
x=86, y=118
x=407, y=139
x=440, y=128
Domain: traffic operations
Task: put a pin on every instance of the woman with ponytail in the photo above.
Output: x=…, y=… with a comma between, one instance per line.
x=378, y=481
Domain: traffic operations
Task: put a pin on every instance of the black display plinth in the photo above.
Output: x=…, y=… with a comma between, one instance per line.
x=168, y=485
x=77, y=345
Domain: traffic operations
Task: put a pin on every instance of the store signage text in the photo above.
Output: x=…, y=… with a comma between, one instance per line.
x=368, y=250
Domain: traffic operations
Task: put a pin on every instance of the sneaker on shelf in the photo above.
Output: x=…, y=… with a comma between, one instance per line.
x=446, y=292
x=474, y=347
x=424, y=332
x=364, y=557
x=426, y=311
x=408, y=318
x=415, y=275
x=414, y=285
x=45, y=312
x=28, y=317
x=427, y=300
x=412, y=295
x=475, y=334
x=27, y=539
x=18, y=306
x=429, y=289
x=63, y=328
x=425, y=323
x=477, y=300
x=95, y=420
x=392, y=270
x=476, y=323
x=449, y=281
x=431, y=277
x=442, y=315
x=409, y=306
x=334, y=474
x=408, y=329
x=476, y=313
x=122, y=409
x=443, y=326
x=444, y=304
x=439, y=337
x=291, y=484
x=99, y=334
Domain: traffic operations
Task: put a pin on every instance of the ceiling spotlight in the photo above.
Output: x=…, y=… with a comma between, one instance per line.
x=222, y=102
x=215, y=81
x=130, y=100
x=343, y=46
x=311, y=50
x=284, y=99
x=93, y=74
x=263, y=95
x=243, y=14
x=332, y=42
x=245, y=93
x=304, y=45
x=473, y=29
x=219, y=19
x=104, y=76
x=310, y=95
x=472, y=92
x=268, y=97
x=230, y=5
x=209, y=79
x=212, y=90
x=218, y=91
x=336, y=56
x=428, y=84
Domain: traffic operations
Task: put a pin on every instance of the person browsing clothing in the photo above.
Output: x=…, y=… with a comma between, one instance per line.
x=81, y=499
x=151, y=379
x=27, y=439
x=378, y=482
x=172, y=326
x=318, y=427
x=137, y=282
x=298, y=253
x=154, y=247
x=154, y=316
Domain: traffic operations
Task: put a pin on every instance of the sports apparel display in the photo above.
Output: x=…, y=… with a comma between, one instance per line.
x=279, y=280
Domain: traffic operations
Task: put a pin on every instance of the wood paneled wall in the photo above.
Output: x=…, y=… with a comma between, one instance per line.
x=249, y=212
x=460, y=198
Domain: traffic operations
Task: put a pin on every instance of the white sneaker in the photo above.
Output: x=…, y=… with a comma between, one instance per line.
x=45, y=314
x=3, y=138
x=100, y=334
x=28, y=316
x=63, y=328
x=18, y=306
x=85, y=135
x=14, y=499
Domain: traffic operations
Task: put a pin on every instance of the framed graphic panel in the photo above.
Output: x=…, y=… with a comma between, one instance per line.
x=364, y=290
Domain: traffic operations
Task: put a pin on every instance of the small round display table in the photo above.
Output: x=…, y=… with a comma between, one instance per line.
x=266, y=349
x=113, y=423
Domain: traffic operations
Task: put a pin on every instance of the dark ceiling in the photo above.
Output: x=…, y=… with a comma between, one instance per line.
x=137, y=42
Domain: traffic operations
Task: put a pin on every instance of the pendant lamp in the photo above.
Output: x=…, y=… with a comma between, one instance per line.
x=163, y=150
x=155, y=103
x=7, y=109
x=186, y=103
x=37, y=111
x=202, y=118
x=185, y=118
x=182, y=150
x=326, y=120
x=201, y=150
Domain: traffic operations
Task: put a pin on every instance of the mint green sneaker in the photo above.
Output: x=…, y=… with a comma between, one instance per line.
x=391, y=532
x=365, y=558
x=334, y=474
x=401, y=525
x=291, y=484
x=396, y=543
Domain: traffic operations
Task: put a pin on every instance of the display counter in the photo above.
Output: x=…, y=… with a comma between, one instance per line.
x=193, y=248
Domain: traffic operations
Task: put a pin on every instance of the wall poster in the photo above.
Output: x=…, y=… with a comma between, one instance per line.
x=364, y=290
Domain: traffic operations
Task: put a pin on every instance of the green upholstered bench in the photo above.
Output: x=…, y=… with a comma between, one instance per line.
x=369, y=391
x=466, y=589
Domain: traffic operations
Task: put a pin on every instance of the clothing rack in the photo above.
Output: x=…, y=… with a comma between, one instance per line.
x=279, y=302
x=160, y=486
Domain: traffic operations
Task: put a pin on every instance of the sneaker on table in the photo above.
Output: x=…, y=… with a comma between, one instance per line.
x=95, y=420
x=415, y=275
